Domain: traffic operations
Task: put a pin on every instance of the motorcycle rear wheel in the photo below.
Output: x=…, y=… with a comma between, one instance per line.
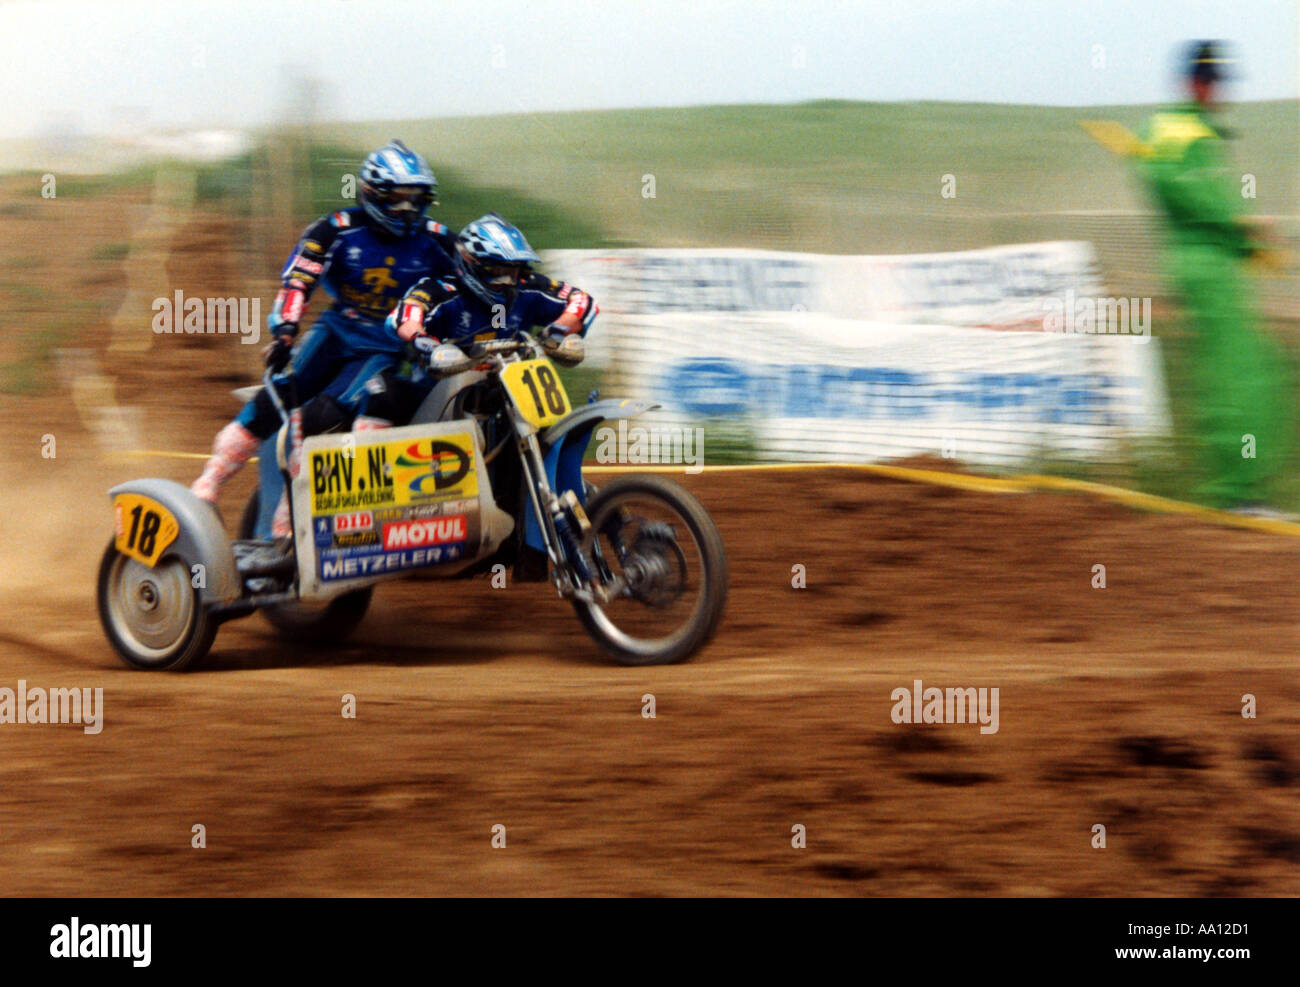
x=311, y=623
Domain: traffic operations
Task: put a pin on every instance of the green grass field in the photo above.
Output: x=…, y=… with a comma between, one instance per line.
x=835, y=177
x=832, y=177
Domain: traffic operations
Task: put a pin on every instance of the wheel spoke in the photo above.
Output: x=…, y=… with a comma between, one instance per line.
x=647, y=544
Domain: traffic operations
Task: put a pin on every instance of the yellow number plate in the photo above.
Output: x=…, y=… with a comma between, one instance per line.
x=537, y=392
x=143, y=528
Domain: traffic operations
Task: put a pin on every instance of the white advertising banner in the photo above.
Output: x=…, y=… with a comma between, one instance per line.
x=864, y=358
x=1000, y=287
x=805, y=387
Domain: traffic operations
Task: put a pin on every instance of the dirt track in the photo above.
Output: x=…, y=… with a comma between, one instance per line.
x=477, y=707
x=1119, y=707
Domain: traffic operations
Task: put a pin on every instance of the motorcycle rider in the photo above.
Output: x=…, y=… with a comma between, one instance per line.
x=366, y=257
x=495, y=293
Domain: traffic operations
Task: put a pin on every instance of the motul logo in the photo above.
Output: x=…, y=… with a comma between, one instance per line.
x=431, y=531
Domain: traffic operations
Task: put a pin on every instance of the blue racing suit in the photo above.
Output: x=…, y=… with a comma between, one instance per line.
x=365, y=272
x=451, y=313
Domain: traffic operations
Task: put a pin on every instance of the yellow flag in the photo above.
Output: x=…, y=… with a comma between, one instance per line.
x=1271, y=260
x=1115, y=137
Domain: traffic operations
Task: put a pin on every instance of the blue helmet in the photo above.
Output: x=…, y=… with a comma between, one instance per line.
x=492, y=257
x=397, y=186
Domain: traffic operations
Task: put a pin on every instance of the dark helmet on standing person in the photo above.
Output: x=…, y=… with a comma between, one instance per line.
x=1208, y=61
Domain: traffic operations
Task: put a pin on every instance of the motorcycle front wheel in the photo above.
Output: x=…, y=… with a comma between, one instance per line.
x=665, y=547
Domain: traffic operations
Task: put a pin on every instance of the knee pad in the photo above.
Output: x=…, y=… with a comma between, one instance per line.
x=260, y=417
x=322, y=414
x=383, y=398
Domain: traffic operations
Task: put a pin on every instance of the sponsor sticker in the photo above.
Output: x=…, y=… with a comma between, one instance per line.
x=373, y=564
x=427, y=531
x=356, y=539
x=392, y=505
x=359, y=521
x=393, y=474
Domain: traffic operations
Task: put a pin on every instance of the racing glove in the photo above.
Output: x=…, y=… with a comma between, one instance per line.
x=564, y=347
x=424, y=344
x=280, y=349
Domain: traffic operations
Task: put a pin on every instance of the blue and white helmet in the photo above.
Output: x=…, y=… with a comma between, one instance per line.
x=396, y=187
x=492, y=257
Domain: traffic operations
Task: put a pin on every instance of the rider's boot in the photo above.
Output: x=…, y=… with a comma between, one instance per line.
x=232, y=448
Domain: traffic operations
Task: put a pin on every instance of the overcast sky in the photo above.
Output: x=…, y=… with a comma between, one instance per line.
x=106, y=65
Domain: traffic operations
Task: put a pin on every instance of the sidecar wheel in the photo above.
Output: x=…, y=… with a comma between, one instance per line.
x=154, y=618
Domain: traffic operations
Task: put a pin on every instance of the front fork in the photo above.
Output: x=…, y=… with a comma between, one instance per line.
x=565, y=524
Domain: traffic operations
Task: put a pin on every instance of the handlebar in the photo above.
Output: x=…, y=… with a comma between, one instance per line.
x=268, y=382
x=475, y=353
x=490, y=347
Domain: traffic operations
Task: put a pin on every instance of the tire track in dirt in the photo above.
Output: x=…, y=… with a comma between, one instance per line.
x=478, y=707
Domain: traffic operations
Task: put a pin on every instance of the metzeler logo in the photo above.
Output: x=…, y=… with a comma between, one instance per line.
x=432, y=531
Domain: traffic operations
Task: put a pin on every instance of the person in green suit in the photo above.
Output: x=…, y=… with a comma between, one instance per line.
x=1243, y=407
